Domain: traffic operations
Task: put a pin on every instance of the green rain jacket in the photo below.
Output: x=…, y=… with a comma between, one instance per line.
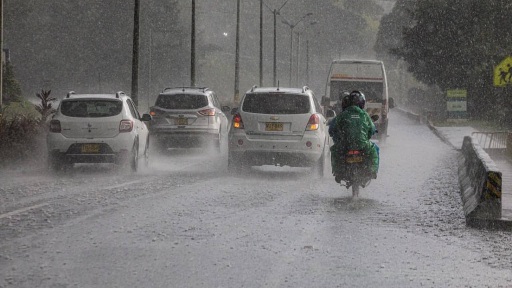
x=352, y=130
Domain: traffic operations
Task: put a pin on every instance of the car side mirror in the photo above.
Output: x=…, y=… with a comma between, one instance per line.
x=146, y=118
x=374, y=117
x=234, y=111
x=330, y=114
x=326, y=101
x=225, y=109
x=391, y=103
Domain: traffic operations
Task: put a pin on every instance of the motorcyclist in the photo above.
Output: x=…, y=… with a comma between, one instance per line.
x=352, y=130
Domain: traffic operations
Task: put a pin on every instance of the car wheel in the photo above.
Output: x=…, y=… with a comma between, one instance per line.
x=146, y=154
x=134, y=158
x=235, y=165
x=319, y=165
x=55, y=163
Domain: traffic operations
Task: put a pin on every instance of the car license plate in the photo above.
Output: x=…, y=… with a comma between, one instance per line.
x=180, y=121
x=90, y=148
x=273, y=126
x=354, y=159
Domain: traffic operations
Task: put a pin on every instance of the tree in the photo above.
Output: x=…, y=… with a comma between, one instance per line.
x=11, y=89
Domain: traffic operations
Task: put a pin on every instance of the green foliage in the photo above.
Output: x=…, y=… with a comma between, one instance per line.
x=21, y=141
x=11, y=89
x=45, y=107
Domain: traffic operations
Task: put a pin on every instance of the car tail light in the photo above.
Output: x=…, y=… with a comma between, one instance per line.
x=237, y=121
x=126, y=126
x=154, y=111
x=55, y=126
x=207, y=112
x=313, y=123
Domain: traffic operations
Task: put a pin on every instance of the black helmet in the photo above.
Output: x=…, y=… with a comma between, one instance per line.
x=354, y=98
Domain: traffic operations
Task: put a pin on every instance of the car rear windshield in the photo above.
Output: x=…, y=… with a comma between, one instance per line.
x=181, y=101
x=91, y=108
x=276, y=103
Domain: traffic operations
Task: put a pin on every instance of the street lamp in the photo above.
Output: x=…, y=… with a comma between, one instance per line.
x=292, y=26
x=275, y=12
x=307, y=53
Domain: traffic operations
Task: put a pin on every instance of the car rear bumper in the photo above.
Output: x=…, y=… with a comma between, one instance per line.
x=195, y=138
x=296, y=153
x=70, y=158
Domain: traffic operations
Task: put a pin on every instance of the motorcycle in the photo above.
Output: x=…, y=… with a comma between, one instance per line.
x=355, y=168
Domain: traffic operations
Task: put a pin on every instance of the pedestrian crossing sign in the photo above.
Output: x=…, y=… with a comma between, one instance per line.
x=503, y=73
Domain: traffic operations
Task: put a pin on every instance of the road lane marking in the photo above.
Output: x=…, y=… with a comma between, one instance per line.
x=22, y=210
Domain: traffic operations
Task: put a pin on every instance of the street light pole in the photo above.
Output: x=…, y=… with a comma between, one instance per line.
x=1, y=52
x=237, y=55
x=292, y=26
x=193, y=47
x=275, y=12
x=261, y=43
x=135, y=54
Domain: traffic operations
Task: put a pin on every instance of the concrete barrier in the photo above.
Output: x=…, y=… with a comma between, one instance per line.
x=480, y=183
x=411, y=115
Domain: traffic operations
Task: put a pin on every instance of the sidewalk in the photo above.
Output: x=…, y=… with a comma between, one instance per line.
x=454, y=137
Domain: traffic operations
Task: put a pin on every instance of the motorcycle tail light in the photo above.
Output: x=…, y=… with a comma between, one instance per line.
x=207, y=112
x=55, y=126
x=237, y=121
x=125, y=126
x=313, y=123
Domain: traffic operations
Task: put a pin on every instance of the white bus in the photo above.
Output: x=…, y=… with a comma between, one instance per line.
x=367, y=76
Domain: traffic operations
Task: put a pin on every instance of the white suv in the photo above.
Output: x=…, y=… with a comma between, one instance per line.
x=97, y=128
x=278, y=126
x=188, y=117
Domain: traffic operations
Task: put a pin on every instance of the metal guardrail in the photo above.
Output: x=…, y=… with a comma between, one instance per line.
x=491, y=140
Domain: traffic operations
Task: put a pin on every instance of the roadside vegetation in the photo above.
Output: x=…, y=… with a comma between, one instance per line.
x=22, y=125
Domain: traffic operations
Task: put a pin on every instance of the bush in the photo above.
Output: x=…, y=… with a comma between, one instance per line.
x=22, y=141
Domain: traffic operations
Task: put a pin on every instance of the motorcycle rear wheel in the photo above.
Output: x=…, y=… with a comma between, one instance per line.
x=355, y=190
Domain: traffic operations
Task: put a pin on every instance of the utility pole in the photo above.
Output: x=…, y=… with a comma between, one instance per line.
x=193, y=47
x=135, y=54
x=1, y=53
x=261, y=43
x=237, y=55
x=275, y=12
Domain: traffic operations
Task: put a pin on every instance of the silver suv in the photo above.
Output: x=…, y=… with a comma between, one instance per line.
x=188, y=117
x=278, y=126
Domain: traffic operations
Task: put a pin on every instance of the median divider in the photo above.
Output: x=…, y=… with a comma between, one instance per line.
x=480, y=183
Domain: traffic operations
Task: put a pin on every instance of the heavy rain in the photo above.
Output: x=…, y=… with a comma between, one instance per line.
x=213, y=167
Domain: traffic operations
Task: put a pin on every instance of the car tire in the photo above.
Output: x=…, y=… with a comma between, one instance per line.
x=54, y=163
x=319, y=165
x=146, y=154
x=134, y=158
x=235, y=165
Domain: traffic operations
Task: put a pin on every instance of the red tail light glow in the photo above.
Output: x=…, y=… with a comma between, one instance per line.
x=237, y=121
x=207, y=112
x=55, y=126
x=125, y=126
x=313, y=123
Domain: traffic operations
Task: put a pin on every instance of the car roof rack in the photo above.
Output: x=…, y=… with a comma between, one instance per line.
x=186, y=87
x=254, y=87
x=70, y=93
x=120, y=93
x=305, y=88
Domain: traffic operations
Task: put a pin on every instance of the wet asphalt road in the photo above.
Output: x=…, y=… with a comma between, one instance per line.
x=186, y=222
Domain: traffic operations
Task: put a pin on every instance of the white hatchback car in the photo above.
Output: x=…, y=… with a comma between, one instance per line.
x=278, y=126
x=97, y=128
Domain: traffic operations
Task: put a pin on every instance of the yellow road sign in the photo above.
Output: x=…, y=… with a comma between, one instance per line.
x=503, y=73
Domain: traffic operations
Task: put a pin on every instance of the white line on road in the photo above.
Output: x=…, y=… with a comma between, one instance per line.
x=22, y=210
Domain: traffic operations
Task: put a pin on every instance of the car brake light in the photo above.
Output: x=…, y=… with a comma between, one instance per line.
x=237, y=121
x=126, y=126
x=55, y=126
x=207, y=112
x=313, y=123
